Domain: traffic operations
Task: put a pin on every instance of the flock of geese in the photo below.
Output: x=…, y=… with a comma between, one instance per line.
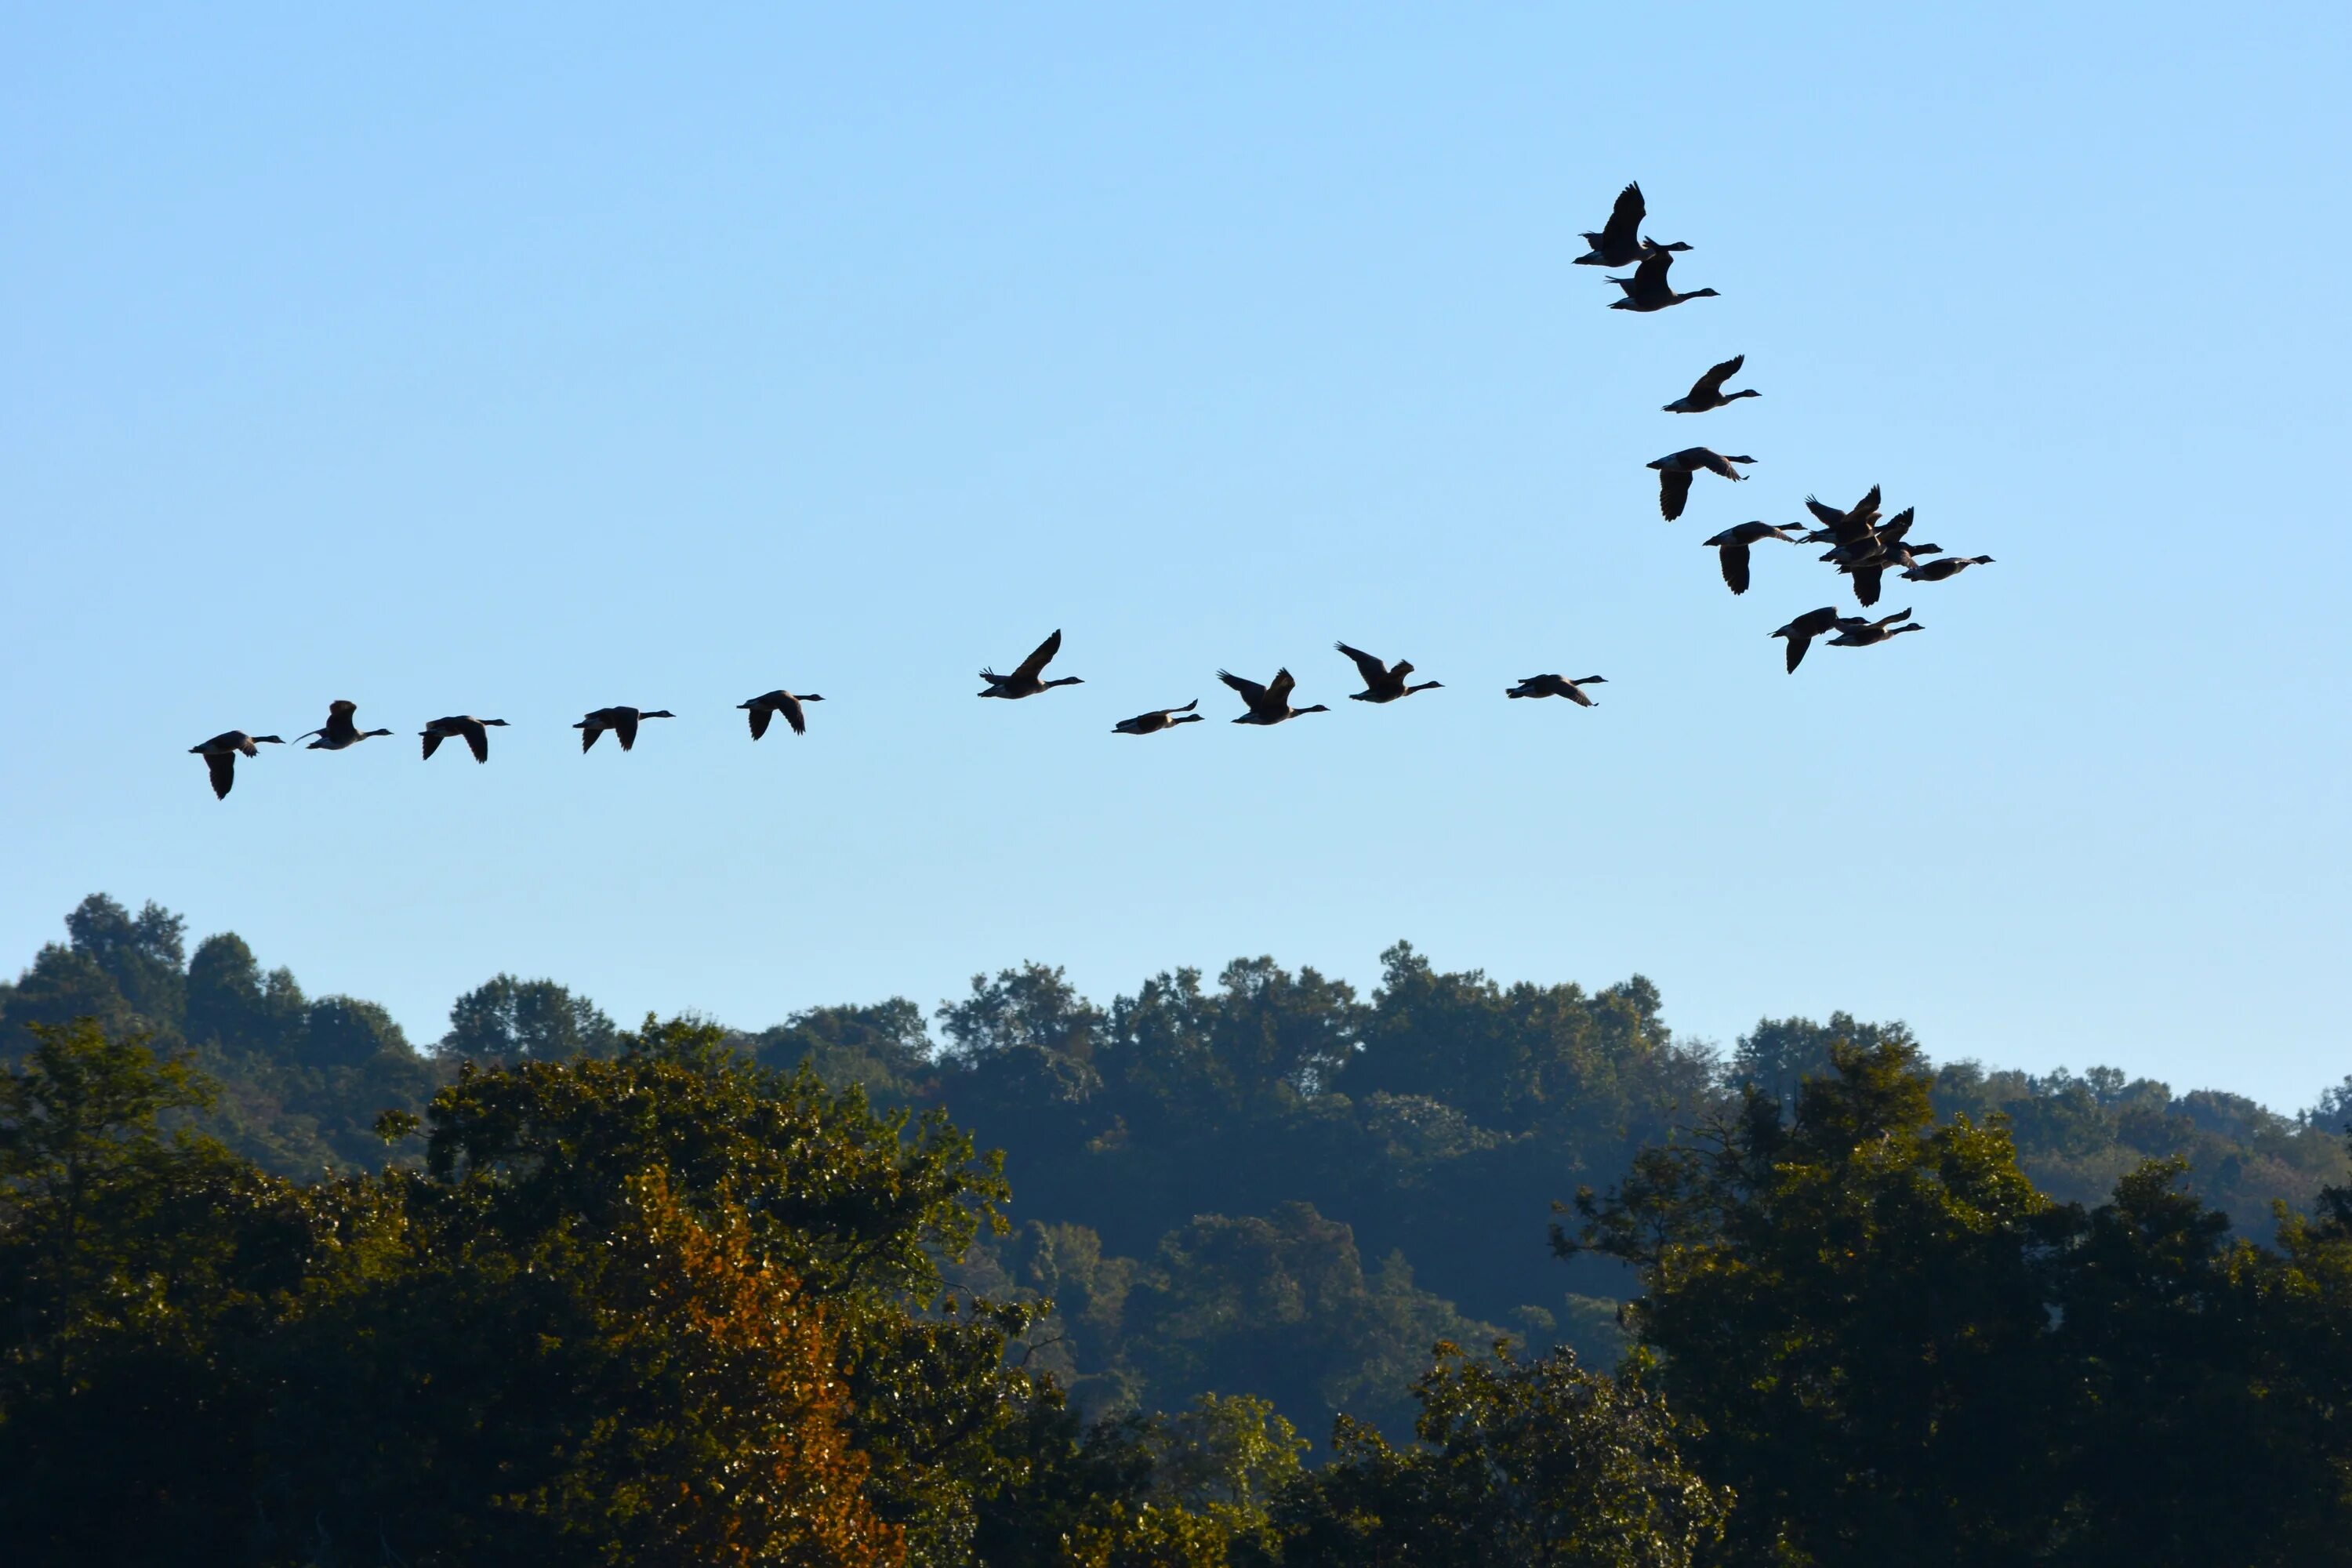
x=1863, y=547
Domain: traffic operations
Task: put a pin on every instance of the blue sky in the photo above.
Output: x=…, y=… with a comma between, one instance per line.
x=525, y=363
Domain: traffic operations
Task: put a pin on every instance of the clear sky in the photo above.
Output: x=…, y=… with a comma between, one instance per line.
x=579, y=355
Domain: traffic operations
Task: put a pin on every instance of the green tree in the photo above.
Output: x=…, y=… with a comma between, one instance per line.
x=134, y=1256
x=144, y=954
x=511, y=1020
x=1534, y=1462
x=1902, y=1352
x=857, y=1208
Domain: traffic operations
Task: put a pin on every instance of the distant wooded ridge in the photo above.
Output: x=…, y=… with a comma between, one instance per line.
x=1403, y=1150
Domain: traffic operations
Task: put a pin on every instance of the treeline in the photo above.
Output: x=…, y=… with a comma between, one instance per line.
x=674, y=1307
x=1266, y=1184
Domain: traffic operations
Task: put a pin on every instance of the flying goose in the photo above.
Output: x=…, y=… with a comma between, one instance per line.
x=1707, y=391
x=339, y=731
x=1268, y=704
x=1557, y=686
x=1159, y=718
x=1382, y=684
x=768, y=704
x=1674, y=471
x=1619, y=242
x=622, y=721
x=1648, y=290
x=1802, y=632
x=1732, y=544
x=1854, y=632
x=1949, y=567
x=1868, y=555
x=1843, y=527
x=220, y=754
x=1023, y=681
x=476, y=730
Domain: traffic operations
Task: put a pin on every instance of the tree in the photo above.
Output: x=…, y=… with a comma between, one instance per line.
x=1282, y=1306
x=884, y=1047
x=647, y=1390
x=1032, y=1007
x=1533, y=1462
x=143, y=954
x=511, y=1020
x=1901, y=1352
x=857, y=1208
x=1780, y=1053
x=343, y=1031
x=131, y=1257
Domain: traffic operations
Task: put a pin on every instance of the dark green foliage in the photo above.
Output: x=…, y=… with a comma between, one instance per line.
x=511, y=1020
x=1900, y=1350
x=607, y=1271
x=2077, y=1137
x=1280, y=1305
x=884, y=1049
x=298, y=1083
x=1521, y=1462
x=1954, y=1316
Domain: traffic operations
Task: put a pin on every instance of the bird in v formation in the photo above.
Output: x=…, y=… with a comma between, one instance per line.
x=1860, y=547
x=1863, y=548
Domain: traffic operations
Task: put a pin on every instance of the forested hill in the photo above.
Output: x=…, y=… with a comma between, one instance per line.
x=1267, y=1182
x=666, y=1295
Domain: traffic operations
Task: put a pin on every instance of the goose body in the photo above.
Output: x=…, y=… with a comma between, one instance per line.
x=476, y=734
x=1382, y=683
x=1557, y=686
x=1868, y=549
x=763, y=708
x=1843, y=527
x=1732, y=544
x=339, y=731
x=622, y=721
x=1707, y=391
x=1619, y=242
x=1026, y=678
x=1648, y=290
x=1159, y=718
x=1802, y=632
x=1854, y=632
x=220, y=754
x=1674, y=471
x=1949, y=567
x=1270, y=703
